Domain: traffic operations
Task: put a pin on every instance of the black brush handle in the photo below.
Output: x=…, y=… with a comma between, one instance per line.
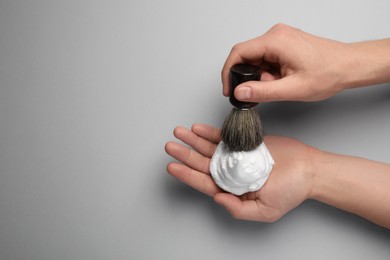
x=240, y=73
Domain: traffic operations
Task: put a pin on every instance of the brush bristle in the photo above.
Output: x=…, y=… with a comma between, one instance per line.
x=242, y=130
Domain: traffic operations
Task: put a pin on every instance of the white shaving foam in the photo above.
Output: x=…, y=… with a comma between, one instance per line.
x=241, y=172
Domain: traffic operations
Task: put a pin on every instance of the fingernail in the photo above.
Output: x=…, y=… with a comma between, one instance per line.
x=244, y=92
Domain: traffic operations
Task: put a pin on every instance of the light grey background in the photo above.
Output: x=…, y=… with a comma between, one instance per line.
x=90, y=92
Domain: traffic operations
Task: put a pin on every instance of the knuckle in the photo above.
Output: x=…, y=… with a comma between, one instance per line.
x=266, y=94
x=210, y=150
x=280, y=26
x=261, y=94
x=206, y=167
x=187, y=156
x=236, y=48
x=283, y=31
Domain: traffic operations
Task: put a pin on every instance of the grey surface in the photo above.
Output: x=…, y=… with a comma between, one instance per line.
x=89, y=94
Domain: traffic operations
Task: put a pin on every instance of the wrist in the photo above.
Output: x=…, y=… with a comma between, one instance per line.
x=313, y=162
x=365, y=63
x=316, y=172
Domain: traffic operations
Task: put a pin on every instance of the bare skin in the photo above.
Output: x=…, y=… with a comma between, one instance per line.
x=298, y=66
x=302, y=67
x=300, y=172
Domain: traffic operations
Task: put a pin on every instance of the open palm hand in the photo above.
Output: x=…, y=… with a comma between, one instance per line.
x=289, y=183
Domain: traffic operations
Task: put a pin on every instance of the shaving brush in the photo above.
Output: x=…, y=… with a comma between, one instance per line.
x=242, y=130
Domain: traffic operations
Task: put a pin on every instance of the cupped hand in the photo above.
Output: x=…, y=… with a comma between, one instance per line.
x=296, y=66
x=289, y=183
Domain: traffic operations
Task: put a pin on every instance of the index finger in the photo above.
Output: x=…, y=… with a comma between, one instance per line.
x=251, y=52
x=208, y=132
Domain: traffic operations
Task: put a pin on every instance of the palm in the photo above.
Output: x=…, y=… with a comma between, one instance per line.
x=286, y=187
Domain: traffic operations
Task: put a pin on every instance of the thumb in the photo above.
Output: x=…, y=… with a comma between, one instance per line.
x=246, y=209
x=287, y=88
x=230, y=202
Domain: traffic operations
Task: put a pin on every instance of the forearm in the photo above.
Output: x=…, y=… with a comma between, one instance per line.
x=366, y=63
x=353, y=184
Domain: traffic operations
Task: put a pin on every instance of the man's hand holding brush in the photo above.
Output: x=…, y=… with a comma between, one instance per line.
x=298, y=66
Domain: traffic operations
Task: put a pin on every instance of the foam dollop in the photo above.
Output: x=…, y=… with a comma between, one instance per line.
x=241, y=172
